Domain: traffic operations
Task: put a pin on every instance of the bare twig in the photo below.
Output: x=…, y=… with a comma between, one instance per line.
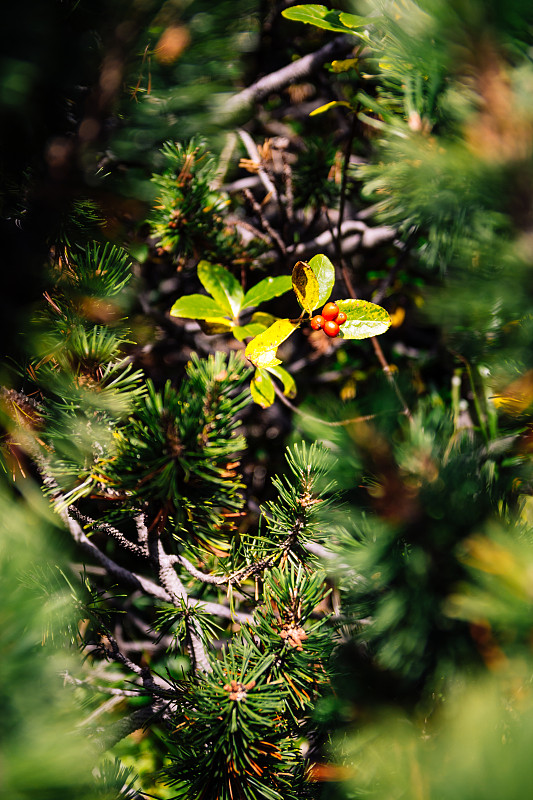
x=111, y=531
x=179, y=595
x=253, y=152
x=216, y=580
x=125, y=575
x=274, y=235
x=344, y=182
x=292, y=73
x=139, y=582
x=109, y=736
x=362, y=236
x=340, y=423
x=289, y=190
x=112, y=690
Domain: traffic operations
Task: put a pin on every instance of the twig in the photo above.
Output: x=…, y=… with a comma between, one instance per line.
x=390, y=377
x=292, y=73
x=225, y=158
x=139, y=582
x=340, y=423
x=274, y=235
x=179, y=595
x=365, y=236
x=139, y=719
x=112, y=690
x=289, y=191
x=216, y=580
x=125, y=575
x=253, y=152
x=344, y=182
x=111, y=531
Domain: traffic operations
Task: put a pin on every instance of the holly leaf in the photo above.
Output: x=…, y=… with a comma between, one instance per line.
x=262, y=388
x=324, y=272
x=289, y=384
x=355, y=21
x=266, y=290
x=222, y=285
x=305, y=285
x=261, y=351
x=263, y=319
x=327, y=106
x=242, y=332
x=323, y=17
x=197, y=306
x=214, y=325
x=365, y=319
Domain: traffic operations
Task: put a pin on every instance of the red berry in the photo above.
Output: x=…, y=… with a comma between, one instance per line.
x=317, y=322
x=341, y=318
x=331, y=328
x=330, y=311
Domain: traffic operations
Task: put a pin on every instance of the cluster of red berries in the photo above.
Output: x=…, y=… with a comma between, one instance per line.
x=329, y=320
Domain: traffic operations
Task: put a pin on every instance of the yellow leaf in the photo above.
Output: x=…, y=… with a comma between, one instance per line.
x=261, y=351
x=343, y=65
x=327, y=106
x=305, y=285
x=517, y=396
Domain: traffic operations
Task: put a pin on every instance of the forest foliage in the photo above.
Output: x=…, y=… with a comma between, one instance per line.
x=266, y=403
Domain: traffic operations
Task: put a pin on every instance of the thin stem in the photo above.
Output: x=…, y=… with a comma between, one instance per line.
x=340, y=423
x=344, y=181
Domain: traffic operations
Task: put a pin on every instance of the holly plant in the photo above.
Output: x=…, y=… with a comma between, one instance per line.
x=312, y=284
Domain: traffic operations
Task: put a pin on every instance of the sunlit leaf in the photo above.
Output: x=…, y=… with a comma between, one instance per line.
x=263, y=319
x=197, y=306
x=323, y=17
x=364, y=319
x=343, y=65
x=289, y=384
x=355, y=21
x=305, y=285
x=266, y=290
x=262, y=388
x=327, y=106
x=222, y=285
x=262, y=350
x=214, y=325
x=325, y=274
x=242, y=332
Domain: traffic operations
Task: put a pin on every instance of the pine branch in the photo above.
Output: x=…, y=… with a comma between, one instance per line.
x=105, y=527
x=179, y=596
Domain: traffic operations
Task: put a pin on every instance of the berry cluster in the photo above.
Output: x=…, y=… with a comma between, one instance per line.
x=329, y=320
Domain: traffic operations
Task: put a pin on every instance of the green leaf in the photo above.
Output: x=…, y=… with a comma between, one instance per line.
x=289, y=384
x=325, y=274
x=222, y=285
x=262, y=350
x=327, y=106
x=305, y=285
x=197, y=306
x=262, y=388
x=213, y=325
x=263, y=319
x=266, y=290
x=355, y=21
x=364, y=319
x=242, y=332
x=320, y=16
